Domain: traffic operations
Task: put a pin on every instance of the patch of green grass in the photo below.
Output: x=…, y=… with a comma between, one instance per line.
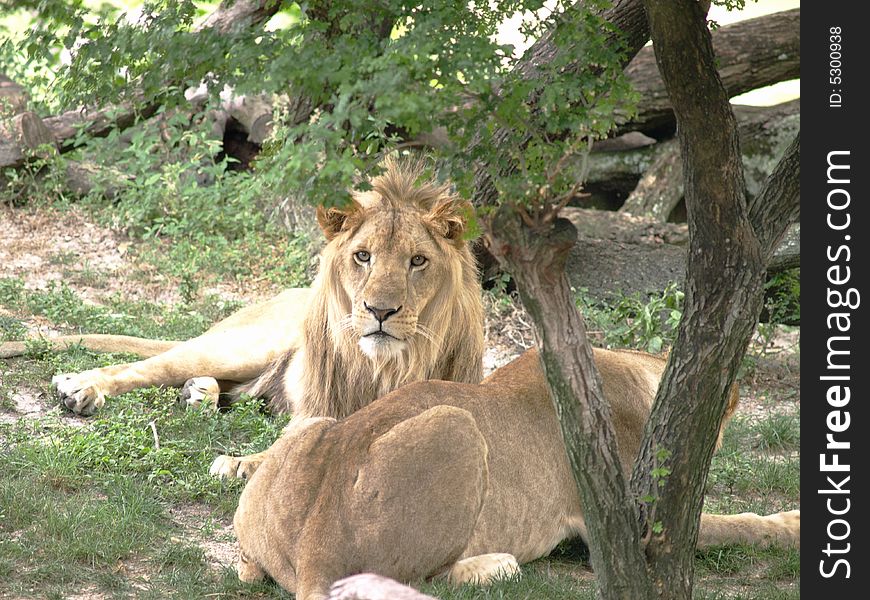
x=779, y=432
x=80, y=506
x=60, y=304
x=533, y=583
x=777, y=563
x=11, y=328
x=143, y=435
x=55, y=534
x=746, y=475
x=761, y=591
x=277, y=258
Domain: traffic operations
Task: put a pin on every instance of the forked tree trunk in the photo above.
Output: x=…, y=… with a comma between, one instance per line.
x=731, y=242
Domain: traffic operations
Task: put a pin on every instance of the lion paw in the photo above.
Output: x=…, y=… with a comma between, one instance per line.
x=248, y=571
x=200, y=391
x=234, y=467
x=484, y=569
x=79, y=392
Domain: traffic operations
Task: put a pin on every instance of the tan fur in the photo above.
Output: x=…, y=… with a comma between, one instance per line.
x=308, y=350
x=442, y=478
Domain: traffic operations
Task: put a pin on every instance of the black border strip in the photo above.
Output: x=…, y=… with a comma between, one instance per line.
x=834, y=230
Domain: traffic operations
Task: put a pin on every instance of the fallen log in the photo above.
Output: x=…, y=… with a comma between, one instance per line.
x=750, y=54
x=650, y=177
x=623, y=254
x=13, y=97
x=230, y=16
x=22, y=137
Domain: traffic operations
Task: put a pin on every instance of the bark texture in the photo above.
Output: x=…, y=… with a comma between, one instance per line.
x=728, y=252
x=537, y=258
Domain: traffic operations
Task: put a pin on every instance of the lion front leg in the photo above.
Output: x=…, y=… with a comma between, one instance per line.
x=85, y=393
x=232, y=355
x=248, y=571
x=200, y=391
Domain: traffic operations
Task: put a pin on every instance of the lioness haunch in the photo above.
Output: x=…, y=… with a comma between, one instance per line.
x=444, y=478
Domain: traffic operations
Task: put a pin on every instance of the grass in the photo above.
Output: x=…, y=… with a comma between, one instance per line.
x=93, y=506
x=121, y=505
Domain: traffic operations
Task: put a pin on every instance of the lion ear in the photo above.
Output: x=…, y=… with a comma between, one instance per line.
x=334, y=220
x=449, y=219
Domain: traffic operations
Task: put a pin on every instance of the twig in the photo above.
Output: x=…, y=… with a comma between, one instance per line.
x=156, y=438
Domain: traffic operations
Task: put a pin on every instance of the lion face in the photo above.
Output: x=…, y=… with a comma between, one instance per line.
x=394, y=260
x=393, y=269
x=397, y=298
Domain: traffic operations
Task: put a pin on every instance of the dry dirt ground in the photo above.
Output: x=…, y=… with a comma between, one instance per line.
x=44, y=245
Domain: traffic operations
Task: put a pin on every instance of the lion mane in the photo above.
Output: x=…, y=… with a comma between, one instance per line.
x=329, y=374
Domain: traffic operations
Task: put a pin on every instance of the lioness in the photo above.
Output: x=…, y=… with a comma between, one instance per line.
x=444, y=478
x=397, y=299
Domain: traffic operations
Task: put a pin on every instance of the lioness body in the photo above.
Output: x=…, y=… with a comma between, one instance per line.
x=436, y=477
x=397, y=299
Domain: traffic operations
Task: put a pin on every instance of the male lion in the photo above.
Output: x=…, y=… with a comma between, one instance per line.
x=397, y=299
x=446, y=478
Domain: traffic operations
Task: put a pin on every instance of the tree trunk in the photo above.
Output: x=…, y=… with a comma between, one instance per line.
x=749, y=54
x=235, y=15
x=724, y=291
x=537, y=261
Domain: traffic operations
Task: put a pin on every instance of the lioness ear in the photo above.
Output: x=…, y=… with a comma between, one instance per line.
x=333, y=220
x=449, y=219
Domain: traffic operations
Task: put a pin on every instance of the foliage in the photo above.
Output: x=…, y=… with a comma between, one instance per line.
x=783, y=297
x=649, y=324
x=59, y=303
x=440, y=66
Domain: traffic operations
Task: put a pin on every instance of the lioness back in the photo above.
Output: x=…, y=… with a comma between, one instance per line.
x=527, y=476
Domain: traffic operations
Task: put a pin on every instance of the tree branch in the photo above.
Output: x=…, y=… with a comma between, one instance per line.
x=537, y=261
x=778, y=204
x=632, y=33
x=235, y=15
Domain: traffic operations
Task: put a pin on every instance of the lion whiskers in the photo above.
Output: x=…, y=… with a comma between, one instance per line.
x=430, y=334
x=345, y=323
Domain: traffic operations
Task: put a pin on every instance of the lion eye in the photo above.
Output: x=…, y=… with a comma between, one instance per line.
x=362, y=256
x=419, y=260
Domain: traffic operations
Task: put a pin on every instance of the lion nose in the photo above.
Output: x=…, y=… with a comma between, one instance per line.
x=382, y=314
